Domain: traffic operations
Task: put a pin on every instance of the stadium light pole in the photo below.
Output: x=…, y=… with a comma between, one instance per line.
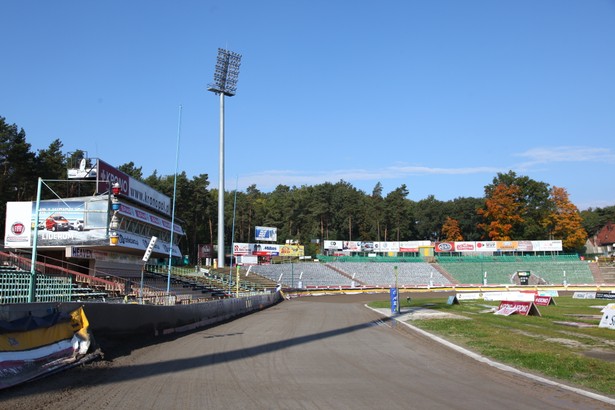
x=225, y=84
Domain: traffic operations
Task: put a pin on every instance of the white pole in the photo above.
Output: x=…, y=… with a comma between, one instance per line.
x=179, y=127
x=221, y=188
x=32, y=289
x=230, y=270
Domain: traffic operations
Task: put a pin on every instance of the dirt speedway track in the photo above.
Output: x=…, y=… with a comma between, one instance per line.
x=309, y=353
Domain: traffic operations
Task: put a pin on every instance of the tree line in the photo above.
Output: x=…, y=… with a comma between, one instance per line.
x=514, y=207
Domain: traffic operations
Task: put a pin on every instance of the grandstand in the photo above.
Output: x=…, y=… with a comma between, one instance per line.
x=549, y=269
x=15, y=287
x=348, y=274
x=382, y=274
x=355, y=271
x=187, y=283
x=308, y=274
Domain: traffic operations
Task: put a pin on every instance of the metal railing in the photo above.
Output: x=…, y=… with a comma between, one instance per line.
x=57, y=282
x=15, y=287
x=53, y=283
x=108, y=284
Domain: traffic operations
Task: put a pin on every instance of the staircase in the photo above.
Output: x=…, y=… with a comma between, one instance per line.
x=603, y=271
x=444, y=273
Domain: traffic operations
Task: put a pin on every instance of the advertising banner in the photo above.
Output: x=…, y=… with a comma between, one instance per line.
x=605, y=295
x=499, y=246
x=465, y=246
x=19, y=224
x=131, y=188
x=242, y=248
x=133, y=241
x=267, y=250
x=584, y=295
x=108, y=175
x=608, y=317
x=147, y=196
x=206, y=250
x=543, y=300
x=469, y=296
x=504, y=246
x=548, y=246
x=386, y=247
x=486, y=246
x=509, y=296
x=333, y=245
x=61, y=223
x=525, y=246
x=367, y=246
x=149, y=218
x=264, y=233
x=412, y=246
x=247, y=260
x=351, y=246
x=291, y=250
x=444, y=247
x=78, y=252
x=73, y=223
x=521, y=308
x=461, y=246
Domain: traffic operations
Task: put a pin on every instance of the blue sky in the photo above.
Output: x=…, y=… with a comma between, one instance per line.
x=439, y=95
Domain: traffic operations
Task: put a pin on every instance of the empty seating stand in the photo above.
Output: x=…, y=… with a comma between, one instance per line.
x=551, y=269
x=351, y=274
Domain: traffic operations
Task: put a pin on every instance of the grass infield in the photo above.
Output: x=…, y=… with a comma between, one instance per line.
x=555, y=344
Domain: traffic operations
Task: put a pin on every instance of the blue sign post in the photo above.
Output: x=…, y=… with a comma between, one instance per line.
x=394, y=301
x=395, y=295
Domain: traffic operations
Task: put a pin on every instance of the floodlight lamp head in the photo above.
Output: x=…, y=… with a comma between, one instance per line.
x=226, y=73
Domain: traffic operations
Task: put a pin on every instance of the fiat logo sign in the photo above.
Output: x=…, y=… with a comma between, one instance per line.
x=18, y=228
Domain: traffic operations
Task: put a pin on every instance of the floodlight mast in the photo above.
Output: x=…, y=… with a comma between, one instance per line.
x=225, y=83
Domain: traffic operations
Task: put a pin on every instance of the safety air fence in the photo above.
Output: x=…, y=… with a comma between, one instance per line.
x=125, y=320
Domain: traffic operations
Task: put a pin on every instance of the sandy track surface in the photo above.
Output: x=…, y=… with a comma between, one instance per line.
x=307, y=353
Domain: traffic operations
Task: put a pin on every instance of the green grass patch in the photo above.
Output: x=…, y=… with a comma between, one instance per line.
x=580, y=356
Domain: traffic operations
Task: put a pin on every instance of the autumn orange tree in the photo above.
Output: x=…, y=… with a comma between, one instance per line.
x=451, y=230
x=501, y=213
x=534, y=204
x=564, y=221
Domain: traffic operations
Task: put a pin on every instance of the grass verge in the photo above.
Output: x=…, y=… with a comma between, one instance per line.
x=549, y=344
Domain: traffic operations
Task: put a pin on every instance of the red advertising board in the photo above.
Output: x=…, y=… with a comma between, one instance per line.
x=465, y=246
x=543, y=300
x=108, y=174
x=445, y=247
x=522, y=308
